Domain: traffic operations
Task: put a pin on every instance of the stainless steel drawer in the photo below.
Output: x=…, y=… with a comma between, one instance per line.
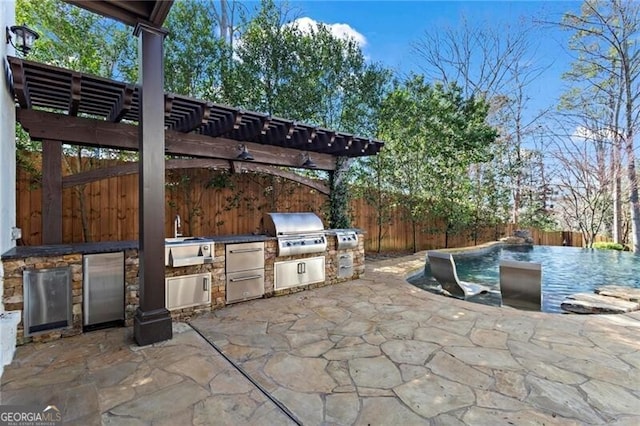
x=188, y=290
x=242, y=257
x=345, y=259
x=245, y=285
x=294, y=273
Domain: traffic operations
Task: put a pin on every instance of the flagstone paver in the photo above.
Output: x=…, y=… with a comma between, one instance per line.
x=372, y=351
x=430, y=396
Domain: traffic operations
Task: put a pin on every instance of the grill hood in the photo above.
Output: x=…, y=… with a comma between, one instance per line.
x=280, y=224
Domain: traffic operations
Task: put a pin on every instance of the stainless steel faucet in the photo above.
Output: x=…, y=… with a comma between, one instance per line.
x=177, y=225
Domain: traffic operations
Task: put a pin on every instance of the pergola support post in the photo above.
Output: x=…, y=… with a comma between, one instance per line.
x=152, y=321
x=51, y=192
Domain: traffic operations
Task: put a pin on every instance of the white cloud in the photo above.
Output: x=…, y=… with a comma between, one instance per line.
x=582, y=133
x=341, y=31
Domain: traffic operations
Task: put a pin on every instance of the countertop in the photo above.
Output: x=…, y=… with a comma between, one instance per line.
x=22, y=252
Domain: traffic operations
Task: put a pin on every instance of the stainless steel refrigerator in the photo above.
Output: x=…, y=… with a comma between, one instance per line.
x=103, y=290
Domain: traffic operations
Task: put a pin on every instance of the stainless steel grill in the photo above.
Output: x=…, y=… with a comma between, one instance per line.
x=297, y=233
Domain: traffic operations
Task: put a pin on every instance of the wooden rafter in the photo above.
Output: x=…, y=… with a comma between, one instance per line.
x=122, y=106
x=76, y=89
x=130, y=168
x=20, y=86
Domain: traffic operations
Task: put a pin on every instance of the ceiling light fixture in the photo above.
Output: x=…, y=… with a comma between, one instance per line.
x=244, y=153
x=307, y=161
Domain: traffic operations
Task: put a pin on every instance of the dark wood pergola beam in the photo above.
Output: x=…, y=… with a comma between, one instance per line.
x=130, y=168
x=97, y=133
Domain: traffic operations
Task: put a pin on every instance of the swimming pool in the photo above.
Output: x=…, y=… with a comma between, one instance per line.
x=565, y=271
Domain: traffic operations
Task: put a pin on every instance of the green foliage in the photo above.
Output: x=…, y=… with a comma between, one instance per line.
x=74, y=38
x=339, y=199
x=608, y=246
x=193, y=52
x=433, y=137
x=309, y=75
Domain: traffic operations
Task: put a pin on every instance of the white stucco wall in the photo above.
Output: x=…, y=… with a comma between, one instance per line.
x=7, y=141
x=8, y=321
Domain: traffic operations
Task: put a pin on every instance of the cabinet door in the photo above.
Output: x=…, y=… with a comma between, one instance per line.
x=188, y=290
x=294, y=273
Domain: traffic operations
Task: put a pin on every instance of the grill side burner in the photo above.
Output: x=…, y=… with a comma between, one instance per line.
x=346, y=240
x=297, y=233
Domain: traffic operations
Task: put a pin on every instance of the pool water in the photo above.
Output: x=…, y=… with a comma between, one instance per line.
x=565, y=271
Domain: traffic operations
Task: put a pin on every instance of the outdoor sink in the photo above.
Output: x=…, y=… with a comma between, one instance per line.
x=186, y=251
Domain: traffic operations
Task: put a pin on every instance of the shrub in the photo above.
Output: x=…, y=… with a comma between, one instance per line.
x=608, y=246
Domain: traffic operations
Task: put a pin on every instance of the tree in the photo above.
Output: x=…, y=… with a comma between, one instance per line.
x=193, y=53
x=312, y=76
x=605, y=34
x=373, y=184
x=433, y=137
x=584, y=198
x=492, y=61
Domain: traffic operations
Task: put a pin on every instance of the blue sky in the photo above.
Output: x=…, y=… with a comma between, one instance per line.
x=390, y=27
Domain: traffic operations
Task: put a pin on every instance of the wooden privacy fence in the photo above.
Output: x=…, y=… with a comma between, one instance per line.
x=221, y=203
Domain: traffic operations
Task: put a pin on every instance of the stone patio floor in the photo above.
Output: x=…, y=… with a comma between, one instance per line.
x=375, y=351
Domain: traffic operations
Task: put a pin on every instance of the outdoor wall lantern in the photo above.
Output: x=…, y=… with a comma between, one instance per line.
x=24, y=38
x=307, y=161
x=244, y=153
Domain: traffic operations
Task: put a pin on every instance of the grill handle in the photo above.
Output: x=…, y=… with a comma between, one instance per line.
x=205, y=284
x=302, y=268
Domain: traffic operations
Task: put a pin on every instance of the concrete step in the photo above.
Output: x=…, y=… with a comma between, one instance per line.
x=587, y=303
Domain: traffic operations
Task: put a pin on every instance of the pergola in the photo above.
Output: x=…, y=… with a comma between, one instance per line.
x=59, y=106
x=96, y=108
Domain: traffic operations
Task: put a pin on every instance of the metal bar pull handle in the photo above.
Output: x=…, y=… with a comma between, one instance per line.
x=251, y=277
x=302, y=268
x=205, y=284
x=247, y=250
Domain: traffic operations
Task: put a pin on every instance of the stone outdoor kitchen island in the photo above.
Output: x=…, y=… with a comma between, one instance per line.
x=20, y=259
